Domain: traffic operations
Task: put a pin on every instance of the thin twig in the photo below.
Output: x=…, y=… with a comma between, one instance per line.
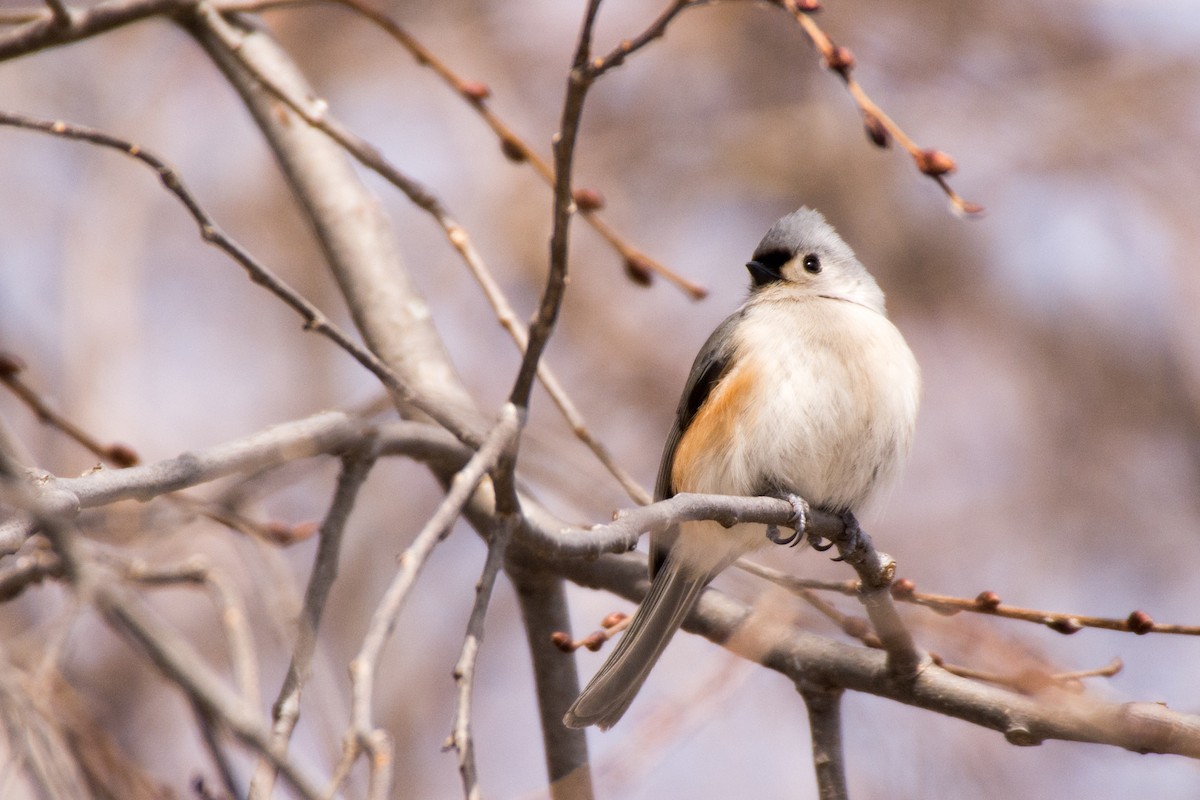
x=314, y=319
x=46, y=30
x=1031, y=681
x=476, y=95
x=880, y=127
x=363, y=735
x=315, y=112
x=356, y=466
x=231, y=611
x=464, y=671
x=11, y=375
x=212, y=743
x=986, y=602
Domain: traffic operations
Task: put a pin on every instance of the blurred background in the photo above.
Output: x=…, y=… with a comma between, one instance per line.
x=1057, y=459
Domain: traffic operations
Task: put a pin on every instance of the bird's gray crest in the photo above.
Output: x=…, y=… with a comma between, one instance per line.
x=804, y=230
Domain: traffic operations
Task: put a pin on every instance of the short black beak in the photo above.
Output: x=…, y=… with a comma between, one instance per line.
x=760, y=273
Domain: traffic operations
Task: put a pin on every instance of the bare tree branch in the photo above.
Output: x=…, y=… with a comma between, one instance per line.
x=1023, y=720
x=880, y=127
x=356, y=466
x=355, y=235
x=48, y=31
x=315, y=112
x=825, y=722
x=544, y=610
x=460, y=738
x=314, y=319
x=364, y=735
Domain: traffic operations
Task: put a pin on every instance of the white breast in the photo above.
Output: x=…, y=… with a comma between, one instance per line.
x=833, y=406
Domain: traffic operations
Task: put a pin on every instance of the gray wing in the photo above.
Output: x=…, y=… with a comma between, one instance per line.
x=711, y=364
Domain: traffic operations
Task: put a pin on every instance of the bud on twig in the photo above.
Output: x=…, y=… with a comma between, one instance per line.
x=562, y=641
x=1140, y=623
x=613, y=619
x=122, y=455
x=877, y=132
x=588, y=199
x=840, y=60
x=512, y=151
x=1065, y=625
x=638, y=271
x=988, y=600
x=475, y=91
x=903, y=588
x=10, y=365
x=934, y=162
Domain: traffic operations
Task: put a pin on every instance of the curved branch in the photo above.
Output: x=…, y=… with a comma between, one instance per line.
x=1023, y=720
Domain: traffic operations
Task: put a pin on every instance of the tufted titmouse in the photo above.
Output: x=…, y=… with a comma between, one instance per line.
x=806, y=391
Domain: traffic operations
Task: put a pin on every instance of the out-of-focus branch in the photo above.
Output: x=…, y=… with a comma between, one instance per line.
x=354, y=233
x=184, y=666
x=986, y=602
x=1022, y=719
x=881, y=129
x=825, y=723
x=543, y=601
x=314, y=319
x=166, y=648
x=363, y=735
x=36, y=745
x=476, y=94
x=356, y=466
x=464, y=671
x=11, y=375
x=315, y=112
x=231, y=611
x=48, y=30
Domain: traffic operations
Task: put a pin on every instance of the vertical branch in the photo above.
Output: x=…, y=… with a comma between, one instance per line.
x=578, y=82
x=544, y=611
x=876, y=571
x=363, y=735
x=286, y=710
x=464, y=671
x=825, y=722
x=542, y=597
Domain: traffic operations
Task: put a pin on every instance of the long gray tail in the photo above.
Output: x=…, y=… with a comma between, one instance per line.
x=672, y=594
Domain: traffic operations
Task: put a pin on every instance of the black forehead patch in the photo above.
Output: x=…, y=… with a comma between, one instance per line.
x=773, y=258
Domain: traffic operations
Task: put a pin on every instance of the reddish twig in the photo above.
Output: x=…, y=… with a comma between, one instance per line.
x=986, y=602
x=881, y=128
x=514, y=147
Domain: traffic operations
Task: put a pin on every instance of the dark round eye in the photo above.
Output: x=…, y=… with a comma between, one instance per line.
x=812, y=264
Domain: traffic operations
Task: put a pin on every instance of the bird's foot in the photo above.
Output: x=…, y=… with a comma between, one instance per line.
x=798, y=521
x=852, y=538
